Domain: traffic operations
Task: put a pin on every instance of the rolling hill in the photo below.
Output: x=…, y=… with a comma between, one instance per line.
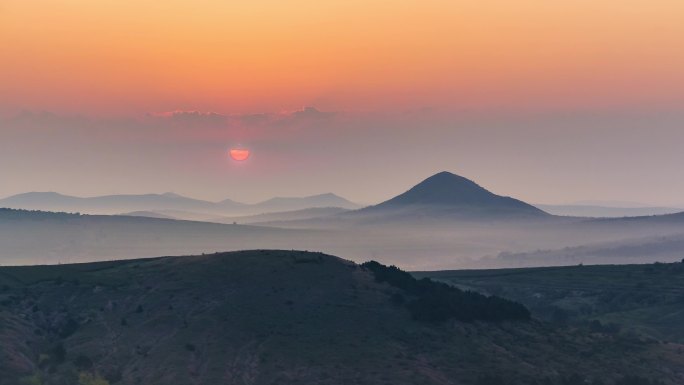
x=596, y=211
x=148, y=214
x=37, y=237
x=280, y=204
x=258, y=219
x=649, y=249
x=284, y=317
x=280, y=216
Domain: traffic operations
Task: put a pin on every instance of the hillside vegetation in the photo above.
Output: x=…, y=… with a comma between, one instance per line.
x=434, y=301
x=644, y=299
x=282, y=317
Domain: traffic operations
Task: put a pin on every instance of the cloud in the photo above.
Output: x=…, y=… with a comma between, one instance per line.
x=254, y=119
x=192, y=117
x=305, y=115
x=306, y=118
x=179, y=126
x=311, y=113
x=195, y=118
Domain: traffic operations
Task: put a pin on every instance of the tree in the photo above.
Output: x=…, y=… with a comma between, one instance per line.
x=490, y=379
x=432, y=301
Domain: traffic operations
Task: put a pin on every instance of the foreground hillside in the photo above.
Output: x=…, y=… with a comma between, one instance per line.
x=646, y=299
x=286, y=317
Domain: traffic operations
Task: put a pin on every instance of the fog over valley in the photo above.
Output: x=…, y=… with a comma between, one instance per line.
x=444, y=222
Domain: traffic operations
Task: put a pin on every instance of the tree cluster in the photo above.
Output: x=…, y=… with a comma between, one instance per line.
x=432, y=301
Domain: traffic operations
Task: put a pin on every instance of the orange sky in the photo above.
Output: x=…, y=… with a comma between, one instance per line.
x=132, y=57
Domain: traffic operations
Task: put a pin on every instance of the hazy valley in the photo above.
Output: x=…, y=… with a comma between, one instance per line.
x=276, y=316
x=445, y=221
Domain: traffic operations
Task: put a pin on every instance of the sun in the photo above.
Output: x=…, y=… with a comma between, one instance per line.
x=239, y=154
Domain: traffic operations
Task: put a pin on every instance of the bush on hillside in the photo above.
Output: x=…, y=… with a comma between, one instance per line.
x=636, y=380
x=490, y=380
x=432, y=301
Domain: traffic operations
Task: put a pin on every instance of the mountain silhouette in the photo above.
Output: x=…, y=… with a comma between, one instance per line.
x=116, y=204
x=109, y=204
x=445, y=193
x=299, y=203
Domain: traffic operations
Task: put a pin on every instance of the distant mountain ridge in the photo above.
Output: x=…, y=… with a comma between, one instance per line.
x=260, y=219
x=109, y=203
x=300, y=203
x=606, y=211
x=449, y=194
x=114, y=204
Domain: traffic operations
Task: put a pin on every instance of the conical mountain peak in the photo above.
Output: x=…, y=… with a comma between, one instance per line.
x=451, y=191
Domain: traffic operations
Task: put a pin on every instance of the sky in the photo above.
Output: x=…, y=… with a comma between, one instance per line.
x=550, y=102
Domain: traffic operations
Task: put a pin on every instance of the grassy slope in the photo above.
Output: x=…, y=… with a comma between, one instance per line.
x=267, y=317
x=648, y=299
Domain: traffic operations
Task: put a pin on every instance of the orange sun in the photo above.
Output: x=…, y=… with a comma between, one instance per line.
x=239, y=154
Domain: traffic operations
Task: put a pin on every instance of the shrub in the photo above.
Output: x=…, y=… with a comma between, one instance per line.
x=58, y=353
x=91, y=379
x=34, y=379
x=398, y=299
x=83, y=362
x=69, y=328
x=597, y=326
x=436, y=302
x=636, y=380
x=490, y=380
x=573, y=379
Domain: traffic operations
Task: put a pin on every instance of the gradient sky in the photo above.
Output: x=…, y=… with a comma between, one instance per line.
x=549, y=101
